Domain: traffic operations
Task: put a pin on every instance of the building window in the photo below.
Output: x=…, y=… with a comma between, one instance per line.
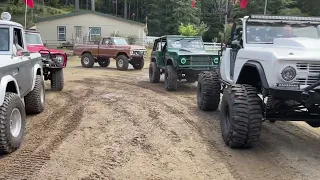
x=78, y=31
x=95, y=33
x=61, y=33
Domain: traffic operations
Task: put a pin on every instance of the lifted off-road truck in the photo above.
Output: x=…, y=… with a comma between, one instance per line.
x=179, y=57
x=54, y=60
x=270, y=70
x=21, y=84
x=111, y=47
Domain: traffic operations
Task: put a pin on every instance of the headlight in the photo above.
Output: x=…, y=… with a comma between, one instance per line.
x=59, y=59
x=183, y=60
x=288, y=73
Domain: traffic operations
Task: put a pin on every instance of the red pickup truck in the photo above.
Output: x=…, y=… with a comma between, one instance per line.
x=54, y=60
x=111, y=47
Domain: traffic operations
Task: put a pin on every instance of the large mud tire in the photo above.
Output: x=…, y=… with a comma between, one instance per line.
x=154, y=73
x=104, y=63
x=122, y=62
x=35, y=100
x=208, y=91
x=139, y=65
x=57, y=80
x=12, y=123
x=171, y=78
x=87, y=60
x=240, y=116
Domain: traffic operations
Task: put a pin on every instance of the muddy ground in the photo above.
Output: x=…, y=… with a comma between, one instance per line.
x=108, y=124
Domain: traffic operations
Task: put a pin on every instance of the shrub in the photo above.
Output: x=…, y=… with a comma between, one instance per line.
x=193, y=30
x=132, y=39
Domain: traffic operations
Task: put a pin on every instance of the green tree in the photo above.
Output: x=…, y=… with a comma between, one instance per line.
x=192, y=30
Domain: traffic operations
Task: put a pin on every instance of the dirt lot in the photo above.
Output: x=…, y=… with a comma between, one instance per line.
x=108, y=124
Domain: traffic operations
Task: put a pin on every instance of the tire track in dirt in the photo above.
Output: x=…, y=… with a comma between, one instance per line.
x=213, y=145
x=36, y=153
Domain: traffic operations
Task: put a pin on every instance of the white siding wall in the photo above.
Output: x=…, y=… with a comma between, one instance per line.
x=48, y=29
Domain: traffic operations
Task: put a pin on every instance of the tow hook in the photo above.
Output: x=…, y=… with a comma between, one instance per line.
x=305, y=96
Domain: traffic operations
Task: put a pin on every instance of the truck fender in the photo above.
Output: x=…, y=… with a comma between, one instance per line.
x=3, y=86
x=36, y=69
x=168, y=59
x=259, y=68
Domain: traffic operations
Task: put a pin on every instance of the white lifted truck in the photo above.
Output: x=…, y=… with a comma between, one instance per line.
x=269, y=70
x=21, y=84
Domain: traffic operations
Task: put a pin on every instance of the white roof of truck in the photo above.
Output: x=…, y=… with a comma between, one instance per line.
x=10, y=23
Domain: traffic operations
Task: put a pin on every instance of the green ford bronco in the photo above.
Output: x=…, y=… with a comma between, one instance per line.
x=180, y=57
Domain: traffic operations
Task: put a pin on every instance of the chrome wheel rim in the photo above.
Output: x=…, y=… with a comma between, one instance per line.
x=120, y=62
x=86, y=60
x=15, y=122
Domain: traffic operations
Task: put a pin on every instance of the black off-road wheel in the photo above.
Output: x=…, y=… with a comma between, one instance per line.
x=139, y=65
x=35, y=100
x=240, y=116
x=122, y=62
x=87, y=60
x=57, y=80
x=208, y=91
x=154, y=73
x=104, y=63
x=171, y=78
x=12, y=123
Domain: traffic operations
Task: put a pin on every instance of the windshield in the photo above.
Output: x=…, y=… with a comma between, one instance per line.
x=33, y=38
x=258, y=32
x=4, y=39
x=181, y=43
x=120, y=41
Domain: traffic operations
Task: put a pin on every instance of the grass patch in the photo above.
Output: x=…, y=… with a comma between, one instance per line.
x=17, y=12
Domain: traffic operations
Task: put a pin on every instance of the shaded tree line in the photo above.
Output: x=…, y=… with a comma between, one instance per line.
x=165, y=16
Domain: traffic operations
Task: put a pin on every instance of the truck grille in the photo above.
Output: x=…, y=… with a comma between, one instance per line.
x=200, y=60
x=308, y=73
x=47, y=55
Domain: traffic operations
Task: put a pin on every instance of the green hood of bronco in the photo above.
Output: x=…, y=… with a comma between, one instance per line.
x=189, y=52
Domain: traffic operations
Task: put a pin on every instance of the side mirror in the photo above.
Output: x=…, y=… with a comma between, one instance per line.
x=236, y=43
x=25, y=53
x=44, y=44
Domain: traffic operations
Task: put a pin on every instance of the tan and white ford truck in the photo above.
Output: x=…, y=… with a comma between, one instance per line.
x=111, y=47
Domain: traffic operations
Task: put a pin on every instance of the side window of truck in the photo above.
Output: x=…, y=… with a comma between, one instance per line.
x=106, y=41
x=156, y=46
x=18, y=38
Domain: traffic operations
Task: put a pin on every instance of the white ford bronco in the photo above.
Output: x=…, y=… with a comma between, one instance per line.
x=269, y=70
x=21, y=84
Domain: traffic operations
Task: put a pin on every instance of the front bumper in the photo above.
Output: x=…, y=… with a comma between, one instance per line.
x=198, y=67
x=308, y=95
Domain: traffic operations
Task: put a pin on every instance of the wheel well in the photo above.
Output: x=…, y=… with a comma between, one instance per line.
x=85, y=52
x=11, y=87
x=249, y=75
x=38, y=71
x=169, y=62
x=122, y=53
x=153, y=60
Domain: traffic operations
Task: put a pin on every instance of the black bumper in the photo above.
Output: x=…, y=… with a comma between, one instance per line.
x=308, y=95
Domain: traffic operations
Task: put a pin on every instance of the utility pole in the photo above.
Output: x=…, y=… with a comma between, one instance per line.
x=265, y=7
x=77, y=5
x=125, y=9
x=226, y=17
x=93, y=5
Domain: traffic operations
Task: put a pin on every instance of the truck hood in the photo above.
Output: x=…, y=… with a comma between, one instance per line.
x=297, y=48
x=135, y=47
x=37, y=48
x=192, y=51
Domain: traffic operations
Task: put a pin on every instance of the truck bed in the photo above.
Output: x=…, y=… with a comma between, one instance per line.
x=78, y=49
